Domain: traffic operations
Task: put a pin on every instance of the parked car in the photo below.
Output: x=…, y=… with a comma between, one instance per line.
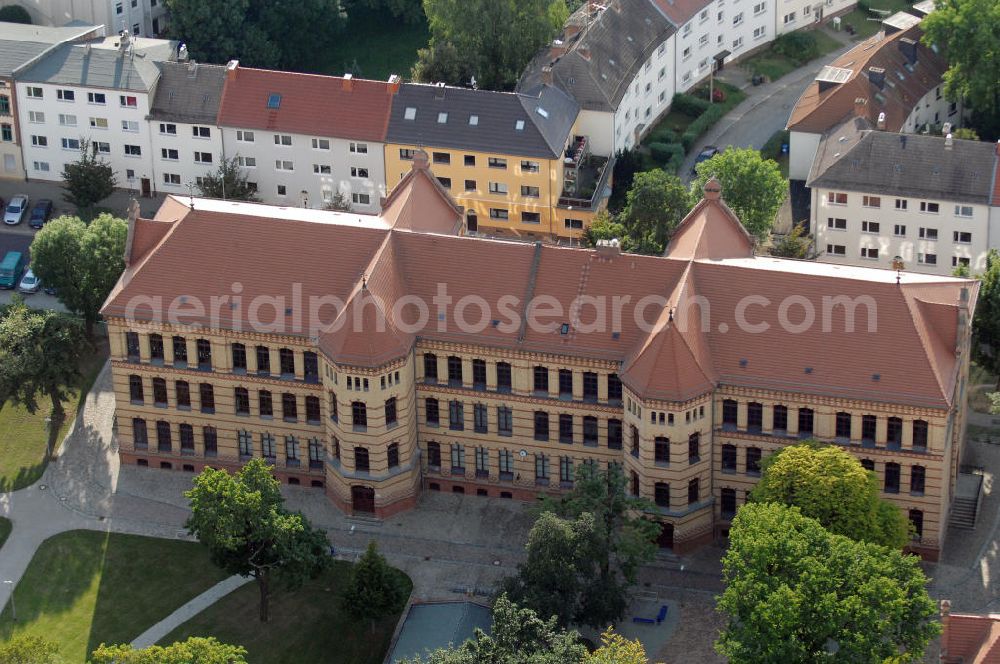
x=29, y=282
x=706, y=154
x=49, y=290
x=15, y=210
x=11, y=268
x=40, y=213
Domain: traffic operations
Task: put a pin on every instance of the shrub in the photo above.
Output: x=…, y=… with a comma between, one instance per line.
x=798, y=46
x=15, y=14
x=689, y=105
x=688, y=138
x=772, y=149
x=664, y=135
x=668, y=156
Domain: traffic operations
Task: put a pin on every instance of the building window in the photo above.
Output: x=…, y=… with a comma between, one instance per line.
x=843, y=428
x=805, y=422
x=312, y=410
x=187, y=438
x=614, y=389
x=361, y=199
x=891, y=477
x=135, y=389
x=929, y=208
x=899, y=230
x=498, y=188
x=962, y=237
x=456, y=415
x=614, y=434
x=480, y=418
x=541, y=381
x=180, y=352
x=566, y=429
x=541, y=467
x=359, y=415
x=496, y=162
x=431, y=412
x=870, y=253
x=755, y=417
x=871, y=201
x=753, y=461
x=265, y=403
x=729, y=458
x=505, y=421
x=128, y=101
x=529, y=191
x=390, y=412
x=917, y=521
x=871, y=227
x=836, y=250
x=730, y=410
x=573, y=224
x=210, y=440
x=836, y=198
x=361, y=461
x=499, y=213
x=780, y=423
x=503, y=377
x=182, y=391
x=694, y=448
x=206, y=395
x=434, y=455
x=920, y=435
x=927, y=259
x=140, y=437
x=541, y=425
x=160, y=392
x=454, y=371
x=590, y=430
x=392, y=453
x=289, y=407
x=163, y=442
x=263, y=360
x=566, y=471
x=963, y=210
x=894, y=433
x=901, y=204
x=836, y=224
x=204, y=350
x=917, y=476
x=531, y=218
x=869, y=426
x=245, y=442
x=693, y=490
x=457, y=459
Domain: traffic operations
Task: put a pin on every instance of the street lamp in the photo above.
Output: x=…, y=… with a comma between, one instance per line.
x=13, y=608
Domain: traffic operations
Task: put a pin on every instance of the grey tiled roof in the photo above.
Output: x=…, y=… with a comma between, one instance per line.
x=545, y=116
x=97, y=64
x=13, y=54
x=188, y=92
x=20, y=43
x=603, y=52
x=858, y=159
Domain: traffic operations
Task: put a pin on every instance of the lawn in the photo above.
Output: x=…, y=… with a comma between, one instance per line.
x=373, y=46
x=83, y=588
x=308, y=626
x=24, y=436
x=858, y=17
x=774, y=65
x=5, y=526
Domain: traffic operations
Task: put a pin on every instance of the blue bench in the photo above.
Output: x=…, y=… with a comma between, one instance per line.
x=648, y=621
x=662, y=614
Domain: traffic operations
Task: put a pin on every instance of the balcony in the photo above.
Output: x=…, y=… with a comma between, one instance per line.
x=585, y=179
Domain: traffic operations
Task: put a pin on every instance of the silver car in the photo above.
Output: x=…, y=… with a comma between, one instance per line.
x=29, y=282
x=16, y=208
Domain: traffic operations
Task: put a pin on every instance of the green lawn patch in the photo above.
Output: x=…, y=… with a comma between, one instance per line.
x=5, y=526
x=774, y=63
x=372, y=46
x=25, y=436
x=308, y=626
x=858, y=17
x=83, y=588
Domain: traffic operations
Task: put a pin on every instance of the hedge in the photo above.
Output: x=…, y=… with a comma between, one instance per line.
x=670, y=156
x=689, y=105
x=700, y=125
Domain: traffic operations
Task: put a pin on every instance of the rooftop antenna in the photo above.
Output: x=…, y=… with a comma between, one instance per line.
x=898, y=265
x=190, y=195
x=364, y=281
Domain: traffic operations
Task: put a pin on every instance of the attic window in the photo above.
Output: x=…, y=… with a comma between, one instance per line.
x=442, y=118
x=809, y=370
x=274, y=100
x=743, y=362
x=473, y=120
x=519, y=125
x=876, y=376
x=564, y=329
x=410, y=113
x=542, y=112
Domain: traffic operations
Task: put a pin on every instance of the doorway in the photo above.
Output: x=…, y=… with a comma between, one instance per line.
x=363, y=499
x=666, y=538
x=146, y=189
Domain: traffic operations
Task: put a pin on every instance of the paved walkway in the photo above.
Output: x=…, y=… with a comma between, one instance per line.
x=180, y=616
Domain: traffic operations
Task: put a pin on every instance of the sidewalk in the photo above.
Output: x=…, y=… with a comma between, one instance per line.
x=181, y=615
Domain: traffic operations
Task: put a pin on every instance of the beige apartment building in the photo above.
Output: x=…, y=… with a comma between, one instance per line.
x=507, y=401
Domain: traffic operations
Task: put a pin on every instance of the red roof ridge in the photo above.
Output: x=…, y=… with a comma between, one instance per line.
x=728, y=238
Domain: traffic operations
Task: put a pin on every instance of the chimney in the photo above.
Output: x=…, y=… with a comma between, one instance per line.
x=877, y=76
x=909, y=49
x=946, y=129
x=881, y=121
x=420, y=161
x=617, y=6
x=231, y=68
x=570, y=31
x=557, y=50
x=860, y=107
x=949, y=142
x=348, y=82
x=945, y=632
x=439, y=90
x=609, y=248
x=584, y=52
x=712, y=190
x=394, y=83
x=546, y=75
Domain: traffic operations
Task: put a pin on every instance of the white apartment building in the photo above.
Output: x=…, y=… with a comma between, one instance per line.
x=302, y=138
x=183, y=125
x=925, y=199
x=95, y=93
x=144, y=18
x=792, y=15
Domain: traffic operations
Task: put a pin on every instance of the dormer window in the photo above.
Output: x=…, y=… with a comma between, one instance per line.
x=473, y=120
x=542, y=112
x=274, y=101
x=519, y=125
x=410, y=113
x=442, y=118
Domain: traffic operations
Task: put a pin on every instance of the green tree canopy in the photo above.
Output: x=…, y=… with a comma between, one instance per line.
x=88, y=180
x=654, y=206
x=373, y=591
x=282, y=34
x=27, y=649
x=604, y=227
x=830, y=485
x=410, y=11
x=15, y=14
x=752, y=186
x=196, y=650
x=518, y=636
x=966, y=31
x=441, y=62
x=986, y=321
x=497, y=37
x=242, y=520
x=228, y=181
x=82, y=262
x=616, y=649
x=796, y=592
x=40, y=353
x=793, y=245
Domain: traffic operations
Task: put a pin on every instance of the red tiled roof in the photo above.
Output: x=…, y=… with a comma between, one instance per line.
x=817, y=111
x=909, y=352
x=680, y=12
x=970, y=639
x=310, y=104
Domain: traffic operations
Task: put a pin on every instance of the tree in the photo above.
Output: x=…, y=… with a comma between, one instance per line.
x=966, y=133
x=15, y=14
x=89, y=180
x=986, y=321
x=994, y=398
x=373, y=591
x=830, y=485
x=966, y=31
x=441, y=62
x=752, y=186
x=196, y=650
x=794, y=245
x=340, y=202
x=242, y=520
x=410, y=11
x=282, y=34
x=229, y=182
x=627, y=164
x=796, y=593
x=603, y=227
x=40, y=352
x=621, y=541
x=26, y=649
x=497, y=37
x=82, y=262
x=655, y=204
x=616, y=649
x=518, y=636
